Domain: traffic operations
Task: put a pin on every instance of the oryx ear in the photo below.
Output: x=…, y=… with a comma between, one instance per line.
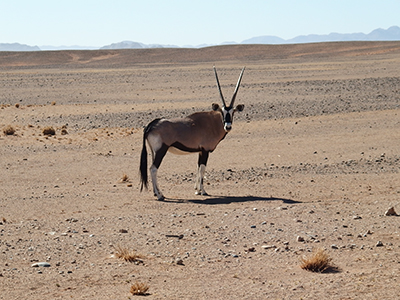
x=239, y=107
x=215, y=106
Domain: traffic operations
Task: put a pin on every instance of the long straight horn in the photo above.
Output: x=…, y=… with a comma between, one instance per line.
x=237, y=88
x=219, y=87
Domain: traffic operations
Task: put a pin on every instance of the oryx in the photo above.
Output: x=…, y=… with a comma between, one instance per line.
x=199, y=132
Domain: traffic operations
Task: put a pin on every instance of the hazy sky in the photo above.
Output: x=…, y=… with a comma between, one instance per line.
x=185, y=22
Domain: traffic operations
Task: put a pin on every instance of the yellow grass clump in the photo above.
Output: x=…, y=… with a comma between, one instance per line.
x=127, y=255
x=124, y=178
x=9, y=130
x=318, y=261
x=139, y=288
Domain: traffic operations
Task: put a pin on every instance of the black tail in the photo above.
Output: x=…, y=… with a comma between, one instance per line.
x=143, y=156
x=143, y=163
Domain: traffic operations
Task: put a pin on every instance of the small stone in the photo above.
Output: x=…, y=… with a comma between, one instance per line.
x=391, y=212
x=334, y=246
x=253, y=226
x=179, y=262
x=300, y=239
x=40, y=264
x=357, y=217
x=379, y=244
x=268, y=246
x=123, y=231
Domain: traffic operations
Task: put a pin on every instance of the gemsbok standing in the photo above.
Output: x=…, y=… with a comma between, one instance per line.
x=199, y=132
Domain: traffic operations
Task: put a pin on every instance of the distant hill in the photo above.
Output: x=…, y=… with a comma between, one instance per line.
x=134, y=45
x=390, y=34
x=18, y=47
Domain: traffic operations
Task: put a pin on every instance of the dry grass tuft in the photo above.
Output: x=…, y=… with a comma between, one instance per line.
x=124, y=178
x=49, y=131
x=139, y=288
x=64, y=130
x=318, y=261
x=127, y=255
x=9, y=130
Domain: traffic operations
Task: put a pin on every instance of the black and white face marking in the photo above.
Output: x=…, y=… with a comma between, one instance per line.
x=227, y=114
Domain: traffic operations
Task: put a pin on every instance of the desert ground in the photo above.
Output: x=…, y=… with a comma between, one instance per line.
x=311, y=163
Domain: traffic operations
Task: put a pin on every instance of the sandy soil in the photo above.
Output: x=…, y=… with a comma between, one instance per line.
x=315, y=154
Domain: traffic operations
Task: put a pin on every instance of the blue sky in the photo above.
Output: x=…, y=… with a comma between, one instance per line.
x=185, y=22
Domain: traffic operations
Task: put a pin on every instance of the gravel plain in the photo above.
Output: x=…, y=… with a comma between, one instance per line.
x=312, y=162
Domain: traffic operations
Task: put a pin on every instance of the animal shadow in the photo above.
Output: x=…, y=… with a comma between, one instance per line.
x=215, y=200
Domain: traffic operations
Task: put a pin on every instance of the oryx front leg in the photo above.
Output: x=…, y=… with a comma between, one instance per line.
x=199, y=186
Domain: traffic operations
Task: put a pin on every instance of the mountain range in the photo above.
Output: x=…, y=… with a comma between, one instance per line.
x=390, y=34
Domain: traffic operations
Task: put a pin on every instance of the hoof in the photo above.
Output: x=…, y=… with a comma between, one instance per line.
x=201, y=193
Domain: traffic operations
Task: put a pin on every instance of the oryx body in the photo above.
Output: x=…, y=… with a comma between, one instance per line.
x=200, y=133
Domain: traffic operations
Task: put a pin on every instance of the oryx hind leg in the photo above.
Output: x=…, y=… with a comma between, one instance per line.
x=158, y=152
x=199, y=186
x=156, y=189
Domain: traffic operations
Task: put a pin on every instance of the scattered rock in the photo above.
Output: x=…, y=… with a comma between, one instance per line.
x=40, y=264
x=123, y=231
x=268, y=246
x=333, y=246
x=379, y=244
x=357, y=217
x=300, y=239
x=179, y=262
x=391, y=212
x=178, y=236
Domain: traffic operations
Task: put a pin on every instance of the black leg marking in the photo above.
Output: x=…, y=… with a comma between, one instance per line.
x=203, y=157
x=160, y=155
